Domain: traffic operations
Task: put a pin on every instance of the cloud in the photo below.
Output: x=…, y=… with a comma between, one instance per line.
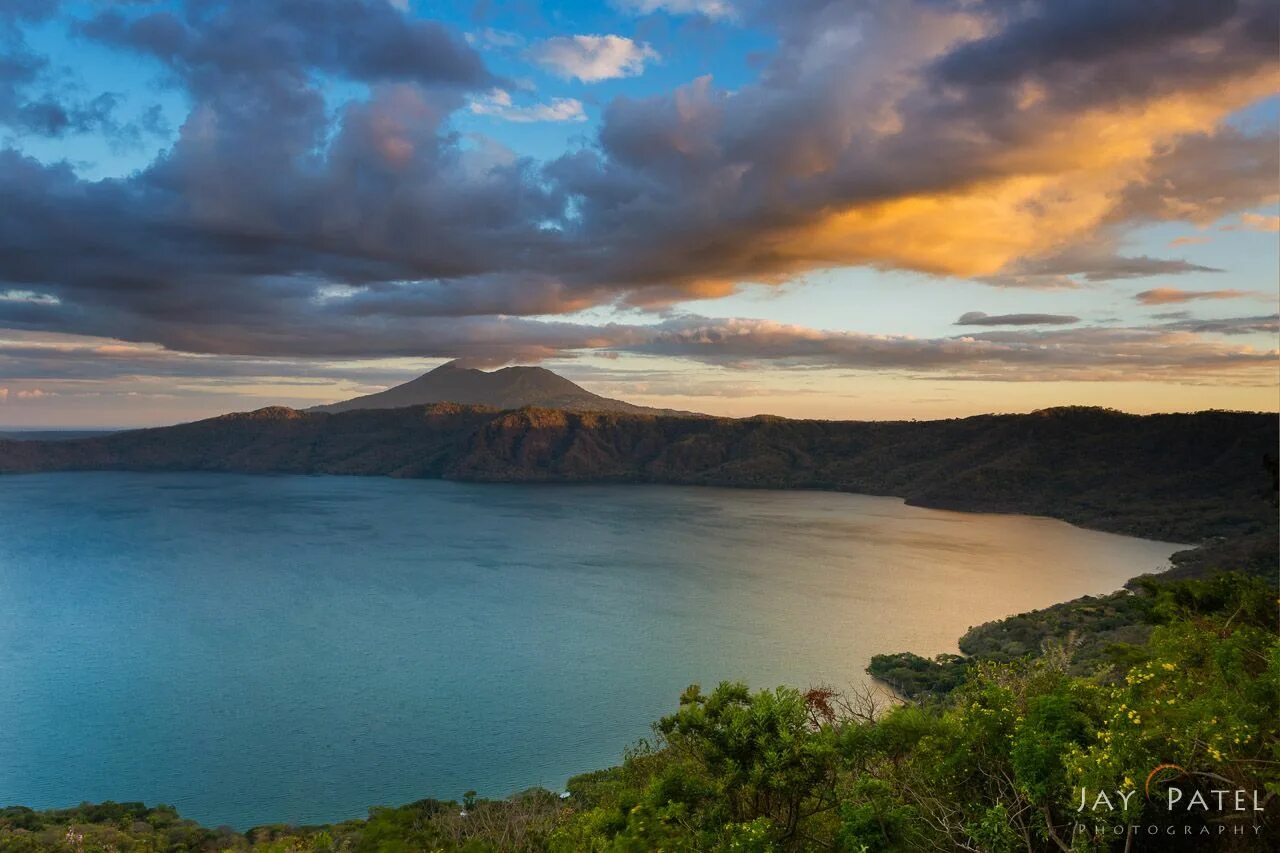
x=978, y=318
x=709, y=8
x=1085, y=354
x=488, y=37
x=28, y=296
x=1262, y=325
x=1161, y=352
x=317, y=201
x=592, y=58
x=1170, y=295
x=1088, y=263
x=498, y=103
x=38, y=98
x=1060, y=42
x=833, y=158
x=1258, y=222
x=269, y=45
x=25, y=394
x=1189, y=241
x=1202, y=177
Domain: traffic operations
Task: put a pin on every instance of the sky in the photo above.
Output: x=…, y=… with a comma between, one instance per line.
x=862, y=210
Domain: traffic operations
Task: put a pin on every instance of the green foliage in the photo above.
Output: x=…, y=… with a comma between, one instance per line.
x=914, y=676
x=1097, y=634
x=1205, y=696
x=1089, y=626
x=761, y=751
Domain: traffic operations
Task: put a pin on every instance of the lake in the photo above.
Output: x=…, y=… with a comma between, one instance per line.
x=258, y=649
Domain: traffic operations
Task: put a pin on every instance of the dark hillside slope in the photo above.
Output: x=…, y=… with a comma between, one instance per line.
x=1182, y=477
x=414, y=442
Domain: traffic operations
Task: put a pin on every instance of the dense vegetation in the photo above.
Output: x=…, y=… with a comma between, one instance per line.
x=1181, y=477
x=1085, y=630
x=996, y=764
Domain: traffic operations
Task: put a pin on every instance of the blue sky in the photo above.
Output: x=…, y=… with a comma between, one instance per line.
x=687, y=47
x=692, y=203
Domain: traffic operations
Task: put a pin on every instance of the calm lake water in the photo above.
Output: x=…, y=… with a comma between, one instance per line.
x=260, y=649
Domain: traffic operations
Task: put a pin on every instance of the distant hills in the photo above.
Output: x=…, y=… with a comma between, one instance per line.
x=1179, y=477
x=508, y=388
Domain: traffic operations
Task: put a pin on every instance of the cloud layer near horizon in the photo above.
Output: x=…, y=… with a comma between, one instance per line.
x=1100, y=353
x=934, y=137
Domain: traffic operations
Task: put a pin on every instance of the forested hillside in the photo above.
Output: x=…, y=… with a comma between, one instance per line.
x=1180, y=477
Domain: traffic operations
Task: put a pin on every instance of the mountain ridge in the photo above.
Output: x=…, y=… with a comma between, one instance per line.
x=506, y=388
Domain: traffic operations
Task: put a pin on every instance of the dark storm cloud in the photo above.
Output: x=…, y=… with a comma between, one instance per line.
x=275, y=225
x=245, y=40
x=1055, y=37
x=1093, y=53
x=978, y=318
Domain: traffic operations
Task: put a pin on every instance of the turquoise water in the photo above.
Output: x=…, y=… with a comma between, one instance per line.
x=261, y=649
